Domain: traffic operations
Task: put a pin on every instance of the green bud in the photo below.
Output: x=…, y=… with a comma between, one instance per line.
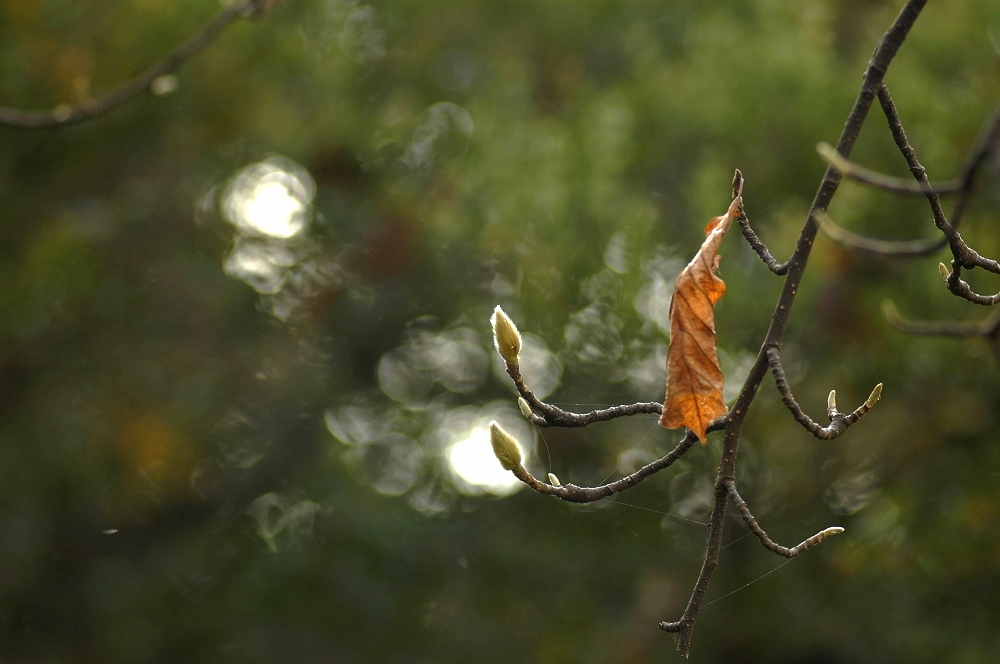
x=506, y=449
x=525, y=408
x=506, y=338
x=876, y=394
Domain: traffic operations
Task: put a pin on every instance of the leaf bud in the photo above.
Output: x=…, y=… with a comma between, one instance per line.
x=945, y=272
x=506, y=338
x=875, y=395
x=553, y=480
x=525, y=408
x=506, y=449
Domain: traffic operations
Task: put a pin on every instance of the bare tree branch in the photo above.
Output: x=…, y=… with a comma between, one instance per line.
x=875, y=246
x=988, y=329
x=890, y=183
x=768, y=543
x=772, y=264
x=884, y=53
x=508, y=343
x=838, y=421
x=576, y=494
x=984, y=149
x=547, y=415
x=89, y=109
x=962, y=289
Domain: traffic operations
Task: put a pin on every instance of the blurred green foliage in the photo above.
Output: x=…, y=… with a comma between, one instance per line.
x=227, y=444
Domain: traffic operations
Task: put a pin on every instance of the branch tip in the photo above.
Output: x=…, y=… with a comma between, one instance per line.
x=505, y=448
x=525, y=408
x=874, y=396
x=506, y=338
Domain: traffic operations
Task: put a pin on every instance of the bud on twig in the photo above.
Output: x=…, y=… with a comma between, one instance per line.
x=553, y=480
x=875, y=395
x=831, y=401
x=506, y=338
x=525, y=408
x=506, y=449
x=945, y=272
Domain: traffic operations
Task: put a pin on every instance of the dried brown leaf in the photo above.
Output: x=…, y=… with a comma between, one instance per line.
x=694, y=378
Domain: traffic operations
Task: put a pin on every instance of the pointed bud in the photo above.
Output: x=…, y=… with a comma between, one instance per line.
x=553, y=480
x=945, y=272
x=506, y=338
x=875, y=395
x=525, y=408
x=831, y=401
x=506, y=449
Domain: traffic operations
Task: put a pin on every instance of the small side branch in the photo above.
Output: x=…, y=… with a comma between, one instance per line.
x=909, y=155
x=546, y=415
x=962, y=288
x=902, y=248
x=768, y=543
x=838, y=421
x=853, y=171
x=772, y=264
x=988, y=329
x=577, y=494
x=876, y=246
x=985, y=149
x=65, y=114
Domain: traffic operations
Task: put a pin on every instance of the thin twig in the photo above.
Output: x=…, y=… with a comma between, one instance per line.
x=768, y=543
x=547, y=415
x=772, y=264
x=89, y=109
x=909, y=155
x=838, y=421
x=962, y=186
x=870, y=245
x=577, y=494
x=964, y=256
x=890, y=183
x=987, y=329
x=962, y=289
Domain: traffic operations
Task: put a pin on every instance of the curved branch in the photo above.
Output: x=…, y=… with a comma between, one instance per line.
x=547, y=415
x=577, y=494
x=768, y=543
x=870, y=245
x=772, y=264
x=954, y=329
x=903, y=144
x=853, y=171
x=64, y=114
x=838, y=421
x=963, y=290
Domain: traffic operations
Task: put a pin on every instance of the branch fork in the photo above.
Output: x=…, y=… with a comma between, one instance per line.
x=542, y=414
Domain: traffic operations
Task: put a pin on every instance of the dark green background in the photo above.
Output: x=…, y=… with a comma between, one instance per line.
x=195, y=470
